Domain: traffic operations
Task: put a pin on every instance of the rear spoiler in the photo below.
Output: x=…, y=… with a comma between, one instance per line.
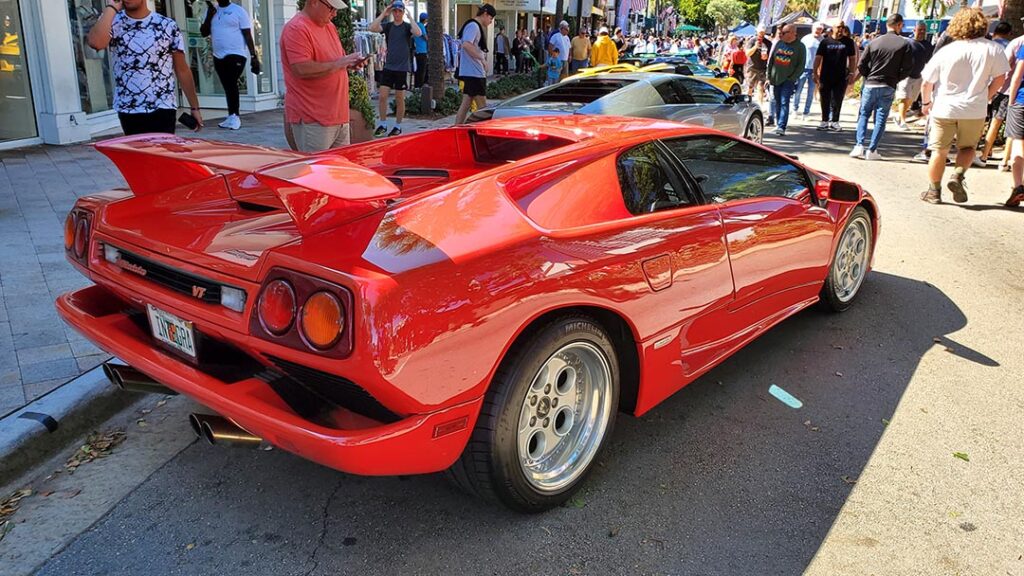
x=319, y=192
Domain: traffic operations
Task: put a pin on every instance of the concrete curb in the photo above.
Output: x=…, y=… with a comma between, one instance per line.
x=46, y=425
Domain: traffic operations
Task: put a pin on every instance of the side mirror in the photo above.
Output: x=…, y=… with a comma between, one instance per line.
x=839, y=191
x=736, y=99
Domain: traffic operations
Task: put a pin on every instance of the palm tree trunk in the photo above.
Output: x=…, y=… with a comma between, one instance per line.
x=1012, y=13
x=559, y=16
x=435, y=48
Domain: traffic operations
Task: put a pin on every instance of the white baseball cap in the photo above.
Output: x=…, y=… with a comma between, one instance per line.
x=337, y=4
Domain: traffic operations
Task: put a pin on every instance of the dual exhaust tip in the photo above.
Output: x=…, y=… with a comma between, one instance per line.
x=212, y=428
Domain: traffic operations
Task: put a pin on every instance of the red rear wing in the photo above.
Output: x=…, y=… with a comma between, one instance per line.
x=319, y=192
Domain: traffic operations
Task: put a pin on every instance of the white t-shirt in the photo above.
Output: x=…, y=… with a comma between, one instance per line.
x=226, y=31
x=963, y=71
x=811, y=46
x=564, y=45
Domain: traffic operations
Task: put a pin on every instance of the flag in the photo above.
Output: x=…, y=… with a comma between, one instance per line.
x=764, y=15
x=638, y=5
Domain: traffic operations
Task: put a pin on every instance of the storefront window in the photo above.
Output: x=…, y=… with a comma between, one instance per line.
x=95, y=85
x=261, y=37
x=17, y=114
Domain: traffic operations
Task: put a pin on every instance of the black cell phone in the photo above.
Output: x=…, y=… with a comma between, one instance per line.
x=188, y=121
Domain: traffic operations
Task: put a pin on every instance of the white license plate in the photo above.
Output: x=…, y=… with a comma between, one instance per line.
x=171, y=330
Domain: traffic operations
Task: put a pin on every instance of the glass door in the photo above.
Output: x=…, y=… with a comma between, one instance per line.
x=17, y=112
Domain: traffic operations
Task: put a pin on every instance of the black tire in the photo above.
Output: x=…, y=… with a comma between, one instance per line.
x=735, y=90
x=754, y=130
x=832, y=297
x=490, y=465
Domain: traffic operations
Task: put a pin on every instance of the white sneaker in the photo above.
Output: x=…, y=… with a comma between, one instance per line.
x=822, y=126
x=835, y=127
x=857, y=152
x=232, y=122
x=872, y=155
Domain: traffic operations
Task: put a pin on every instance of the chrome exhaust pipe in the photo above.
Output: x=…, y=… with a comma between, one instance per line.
x=218, y=430
x=131, y=380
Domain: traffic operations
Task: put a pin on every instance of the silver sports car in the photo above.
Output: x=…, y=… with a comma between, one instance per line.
x=644, y=94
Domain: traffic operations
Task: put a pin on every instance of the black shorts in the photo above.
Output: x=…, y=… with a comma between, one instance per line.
x=394, y=79
x=162, y=120
x=999, y=105
x=1015, y=122
x=473, y=87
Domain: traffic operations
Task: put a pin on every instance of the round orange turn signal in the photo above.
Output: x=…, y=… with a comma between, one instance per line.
x=322, y=321
x=69, y=231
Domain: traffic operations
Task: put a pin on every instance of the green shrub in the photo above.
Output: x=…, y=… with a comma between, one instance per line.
x=446, y=106
x=513, y=85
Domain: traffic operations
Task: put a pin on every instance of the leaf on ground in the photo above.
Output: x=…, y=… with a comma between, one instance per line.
x=962, y=456
x=189, y=546
x=576, y=501
x=161, y=403
x=936, y=339
x=885, y=421
x=810, y=427
x=97, y=445
x=840, y=374
x=849, y=480
x=142, y=422
x=5, y=527
x=836, y=347
x=614, y=532
x=9, y=505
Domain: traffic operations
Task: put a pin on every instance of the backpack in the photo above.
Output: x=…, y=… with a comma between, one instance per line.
x=739, y=57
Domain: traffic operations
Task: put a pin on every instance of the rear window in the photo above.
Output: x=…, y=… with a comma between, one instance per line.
x=583, y=91
x=489, y=149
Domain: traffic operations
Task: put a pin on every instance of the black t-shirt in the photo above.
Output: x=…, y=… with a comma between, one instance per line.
x=756, y=62
x=399, y=39
x=835, y=56
x=922, y=51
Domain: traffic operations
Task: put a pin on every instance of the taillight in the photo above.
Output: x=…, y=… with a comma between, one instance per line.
x=81, y=238
x=304, y=313
x=322, y=320
x=277, y=307
x=69, y=231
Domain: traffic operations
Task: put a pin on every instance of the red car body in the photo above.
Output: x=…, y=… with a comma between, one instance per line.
x=443, y=255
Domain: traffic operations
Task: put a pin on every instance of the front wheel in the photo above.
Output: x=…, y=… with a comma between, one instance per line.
x=850, y=263
x=735, y=90
x=546, y=417
x=755, y=129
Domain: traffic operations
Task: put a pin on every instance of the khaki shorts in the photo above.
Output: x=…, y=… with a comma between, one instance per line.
x=943, y=131
x=315, y=137
x=909, y=88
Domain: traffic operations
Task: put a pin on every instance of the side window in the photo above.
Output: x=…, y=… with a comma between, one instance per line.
x=646, y=184
x=731, y=170
x=703, y=93
x=672, y=93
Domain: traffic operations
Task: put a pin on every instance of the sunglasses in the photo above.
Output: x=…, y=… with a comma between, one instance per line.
x=329, y=7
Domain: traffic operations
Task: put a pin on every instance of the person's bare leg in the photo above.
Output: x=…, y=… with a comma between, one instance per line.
x=936, y=166
x=382, y=104
x=460, y=117
x=1007, y=151
x=990, y=138
x=964, y=157
x=1016, y=154
x=399, y=106
x=902, y=108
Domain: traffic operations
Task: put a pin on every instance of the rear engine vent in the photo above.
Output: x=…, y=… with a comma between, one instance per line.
x=312, y=393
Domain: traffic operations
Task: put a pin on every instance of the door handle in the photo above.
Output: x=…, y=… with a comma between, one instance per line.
x=658, y=272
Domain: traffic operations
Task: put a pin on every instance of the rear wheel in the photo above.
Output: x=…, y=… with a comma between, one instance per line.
x=850, y=263
x=755, y=129
x=546, y=417
x=735, y=90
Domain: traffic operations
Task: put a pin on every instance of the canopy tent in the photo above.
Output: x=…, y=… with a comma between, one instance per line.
x=801, y=17
x=688, y=28
x=745, y=30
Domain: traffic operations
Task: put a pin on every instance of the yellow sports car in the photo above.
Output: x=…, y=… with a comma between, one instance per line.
x=675, y=65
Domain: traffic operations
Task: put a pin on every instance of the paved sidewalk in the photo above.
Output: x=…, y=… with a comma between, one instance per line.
x=38, y=186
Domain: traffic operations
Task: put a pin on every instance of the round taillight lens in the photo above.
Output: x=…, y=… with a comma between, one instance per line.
x=277, y=307
x=81, y=237
x=69, y=231
x=322, y=322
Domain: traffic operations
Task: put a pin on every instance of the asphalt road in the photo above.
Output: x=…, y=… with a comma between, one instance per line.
x=720, y=479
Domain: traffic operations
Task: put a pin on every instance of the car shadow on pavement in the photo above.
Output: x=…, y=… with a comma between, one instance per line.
x=720, y=479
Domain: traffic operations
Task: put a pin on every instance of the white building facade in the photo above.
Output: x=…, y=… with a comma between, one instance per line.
x=55, y=89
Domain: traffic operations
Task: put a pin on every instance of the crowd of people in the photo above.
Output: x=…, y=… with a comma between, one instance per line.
x=968, y=84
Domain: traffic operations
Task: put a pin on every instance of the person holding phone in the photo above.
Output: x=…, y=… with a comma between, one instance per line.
x=230, y=29
x=148, y=53
x=397, y=65
x=316, y=78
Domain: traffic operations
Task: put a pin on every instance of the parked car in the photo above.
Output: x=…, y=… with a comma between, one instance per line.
x=641, y=94
x=723, y=82
x=482, y=299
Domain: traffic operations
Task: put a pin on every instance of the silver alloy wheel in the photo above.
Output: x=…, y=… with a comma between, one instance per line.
x=755, y=130
x=564, y=416
x=851, y=263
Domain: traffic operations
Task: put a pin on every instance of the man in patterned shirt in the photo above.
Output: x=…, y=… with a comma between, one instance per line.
x=148, y=53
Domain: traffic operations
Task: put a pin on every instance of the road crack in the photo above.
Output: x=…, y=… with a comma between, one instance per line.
x=323, y=528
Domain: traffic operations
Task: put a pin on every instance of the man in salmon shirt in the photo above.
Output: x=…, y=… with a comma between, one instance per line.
x=316, y=78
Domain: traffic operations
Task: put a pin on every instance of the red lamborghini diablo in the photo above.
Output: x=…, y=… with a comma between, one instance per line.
x=480, y=299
